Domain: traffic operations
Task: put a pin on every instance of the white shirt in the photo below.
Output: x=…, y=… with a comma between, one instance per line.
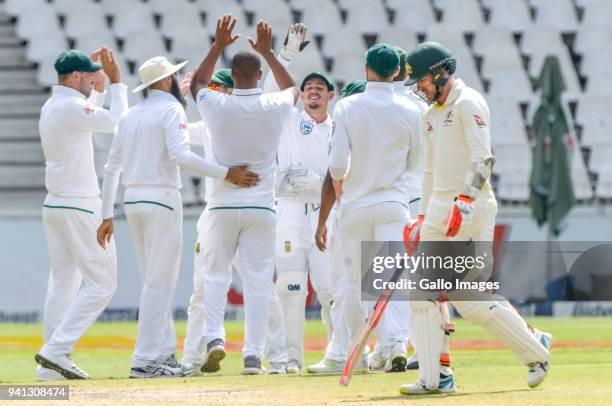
x=378, y=131
x=413, y=180
x=67, y=120
x=245, y=128
x=150, y=143
x=456, y=134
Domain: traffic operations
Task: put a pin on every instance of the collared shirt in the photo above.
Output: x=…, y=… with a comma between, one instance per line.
x=305, y=142
x=150, y=143
x=456, y=134
x=67, y=121
x=245, y=128
x=413, y=180
x=378, y=131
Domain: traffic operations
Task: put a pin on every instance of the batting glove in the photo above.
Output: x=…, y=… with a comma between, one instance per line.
x=295, y=41
x=461, y=215
x=412, y=234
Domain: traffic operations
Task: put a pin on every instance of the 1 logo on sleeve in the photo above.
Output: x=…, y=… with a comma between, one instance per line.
x=480, y=123
x=89, y=108
x=183, y=126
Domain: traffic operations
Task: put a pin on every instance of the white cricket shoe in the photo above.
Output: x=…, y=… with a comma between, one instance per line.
x=293, y=366
x=155, y=370
x=537, y=373
x=215, y=353
x=326, y=366
x=277, y=368
x=46, y=374
x=446, y=385
x=187, y=368
x=62, y=364
x=399, y=358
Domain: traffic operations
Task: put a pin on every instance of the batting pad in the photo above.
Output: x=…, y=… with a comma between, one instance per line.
x=427, y=335
x=501, y=321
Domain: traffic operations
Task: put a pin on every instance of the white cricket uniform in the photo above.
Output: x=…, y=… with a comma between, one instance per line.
x=376, y=140
x=149, y=145
x=194, y=344
x=245, y=128
x=456, y=135
x=83, y=276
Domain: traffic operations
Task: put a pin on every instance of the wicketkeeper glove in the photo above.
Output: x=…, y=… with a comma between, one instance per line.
x=461, y=215
x=295, y=42
x=412, y=235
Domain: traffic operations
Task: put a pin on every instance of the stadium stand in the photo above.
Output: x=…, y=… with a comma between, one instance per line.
x=500, y=46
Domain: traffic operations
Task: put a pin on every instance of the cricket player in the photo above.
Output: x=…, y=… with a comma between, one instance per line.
x=378, y=131
x=302, y=162
x=458, y=204
x=150, y=144
x=193, y=350
x=245, y=128
x=83, y=276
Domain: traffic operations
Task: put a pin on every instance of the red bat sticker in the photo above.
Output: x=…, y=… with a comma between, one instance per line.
x=479, y=121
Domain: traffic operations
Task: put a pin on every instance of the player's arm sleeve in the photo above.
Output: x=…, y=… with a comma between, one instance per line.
x=112, y=171
x=206, y=102
x=86, y=115
x=270, y=84
x=177, y=142
x=427, y=188
x=339, y=147
x=476, y=126
x=96, y=98
x=415, y=150
x=196, y=133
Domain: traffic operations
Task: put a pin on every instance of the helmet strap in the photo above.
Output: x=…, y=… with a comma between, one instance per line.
x=438, y=80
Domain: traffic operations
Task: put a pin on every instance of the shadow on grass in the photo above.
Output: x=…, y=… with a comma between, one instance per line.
x=434, y=396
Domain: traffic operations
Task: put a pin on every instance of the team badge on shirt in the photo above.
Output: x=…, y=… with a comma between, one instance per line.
x=306, y=127
x=197, y=247
x=89, y=108
x=450, y=119
x=479, y=121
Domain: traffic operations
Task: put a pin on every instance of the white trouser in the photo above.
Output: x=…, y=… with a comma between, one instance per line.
x=251, y=230
x=296, y=257
x=83, y=275
x=380, y=222
x=155, y=217
x=498, y=318
x=195, y=344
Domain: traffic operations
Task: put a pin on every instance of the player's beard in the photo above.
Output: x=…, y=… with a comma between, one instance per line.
x=175, y=90
x=314, y=105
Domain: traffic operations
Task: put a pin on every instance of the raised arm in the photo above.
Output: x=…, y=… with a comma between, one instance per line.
x=223, y=38
x=263, y=46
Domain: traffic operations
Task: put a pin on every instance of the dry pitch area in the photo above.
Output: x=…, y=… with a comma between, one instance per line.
x=486, y=373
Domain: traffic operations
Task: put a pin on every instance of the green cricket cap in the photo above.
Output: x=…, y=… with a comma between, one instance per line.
x=354, y=87
x=382, y=59
x=73, y=60
x=426, y=55
x=223, y=77
x=318, y=75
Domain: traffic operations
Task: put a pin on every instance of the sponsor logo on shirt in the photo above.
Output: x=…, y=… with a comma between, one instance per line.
x=479, y=121
x=293, y=287
x=429, y=127
x=89, y=108
x=287, y=246
x=333, y=129
x=449, y=120
x=203, y=96
x=306, y=127
x=197, y=247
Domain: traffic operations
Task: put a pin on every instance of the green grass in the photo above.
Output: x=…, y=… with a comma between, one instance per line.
x=581, y=371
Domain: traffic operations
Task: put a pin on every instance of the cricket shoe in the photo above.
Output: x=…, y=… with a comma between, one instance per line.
x=377, y=360
x=293, y=366
x=252, y=366
x=46, y=374
x=446, y=385
x=326, y=366
x=62, y=364
x=277, y=368
x=155, y=370
x=398, y=360
x=413, y=362
x=215, y=353
x=537, y=373
x=186, y=368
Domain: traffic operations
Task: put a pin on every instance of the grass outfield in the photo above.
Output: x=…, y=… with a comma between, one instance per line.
x=581, y=370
